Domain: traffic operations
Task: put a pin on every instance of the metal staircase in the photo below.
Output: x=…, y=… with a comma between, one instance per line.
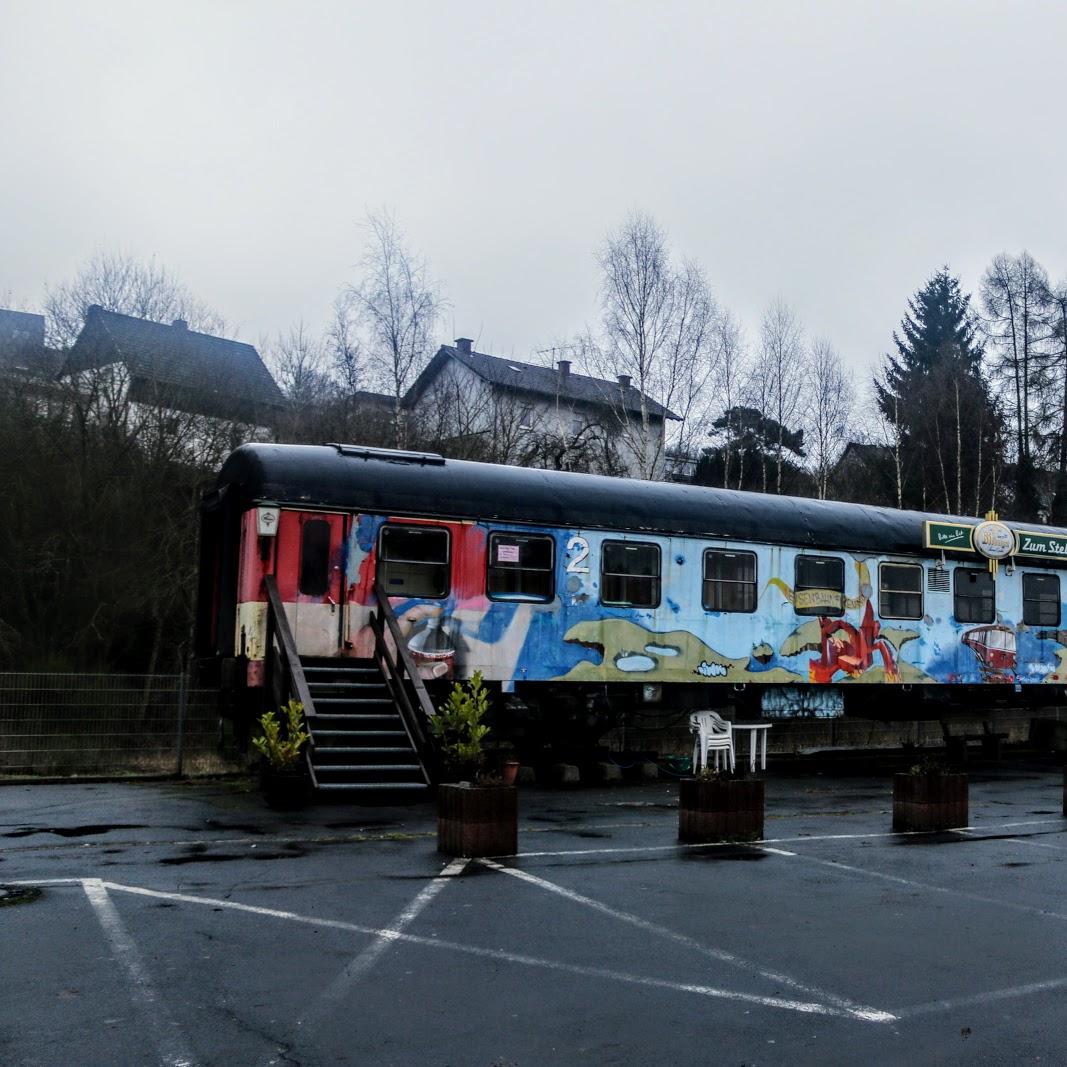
x=367, y=719
x=358, y=738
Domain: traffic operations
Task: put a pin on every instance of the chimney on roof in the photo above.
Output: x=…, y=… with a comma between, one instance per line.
x=180, y=324
x=463, y=345
x=564, y=367
x=625, y=380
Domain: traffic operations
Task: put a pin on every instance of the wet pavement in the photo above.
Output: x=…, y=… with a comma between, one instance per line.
x=184, y=923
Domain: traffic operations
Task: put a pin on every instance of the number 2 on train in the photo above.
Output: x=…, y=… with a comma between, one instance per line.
x=578, y=564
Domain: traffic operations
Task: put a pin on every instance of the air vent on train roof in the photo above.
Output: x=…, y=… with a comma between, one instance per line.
x=390, y=455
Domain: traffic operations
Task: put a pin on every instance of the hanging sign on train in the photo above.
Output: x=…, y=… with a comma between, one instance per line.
x=949, y=536
x=1042, y=544
x=993, y=540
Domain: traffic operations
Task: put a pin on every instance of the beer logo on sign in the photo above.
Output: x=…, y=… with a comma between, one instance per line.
x=993, y=540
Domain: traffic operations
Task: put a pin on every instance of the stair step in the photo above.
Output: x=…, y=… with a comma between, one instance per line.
x=354, y=700
x=334, y=750
x=358, y=733
x=347, y=685
x=366, y=767
x=338, y=786
x=354, y=716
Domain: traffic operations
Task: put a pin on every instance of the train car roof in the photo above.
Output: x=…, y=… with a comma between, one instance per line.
x=381, y=481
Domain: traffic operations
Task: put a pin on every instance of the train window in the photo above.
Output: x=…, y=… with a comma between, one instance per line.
x=973, y=595
x=729, y=581
x=900, y=591
x=819, y=585
x=520, y=568
x=413, y=560
x=315, y=557
x=1041, y=599
x=629, y=574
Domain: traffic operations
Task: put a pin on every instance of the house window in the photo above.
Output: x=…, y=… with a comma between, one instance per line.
x=315, y=557
x=629, y=574
x=520, y=568
x=819, y=585
x=729, y=581
x=413, y=561
x=1041, y=599
x=973, y=595
x=900, y=591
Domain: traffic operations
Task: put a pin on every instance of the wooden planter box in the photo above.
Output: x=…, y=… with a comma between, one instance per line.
x=929, y=801
x=477, y=820
x=727, y=809
x=285, y=790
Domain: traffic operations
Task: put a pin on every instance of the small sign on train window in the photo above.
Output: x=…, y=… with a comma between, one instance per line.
x=506, y=553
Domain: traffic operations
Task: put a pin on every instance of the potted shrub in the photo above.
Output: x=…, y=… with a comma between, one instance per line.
x=477, y=814
x=720, y=806
x=928, y=797
x=283, y=773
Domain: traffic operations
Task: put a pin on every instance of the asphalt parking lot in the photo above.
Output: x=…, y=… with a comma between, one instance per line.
x=184, y=923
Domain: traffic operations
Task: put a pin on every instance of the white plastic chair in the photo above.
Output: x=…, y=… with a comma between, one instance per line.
x=714, y=734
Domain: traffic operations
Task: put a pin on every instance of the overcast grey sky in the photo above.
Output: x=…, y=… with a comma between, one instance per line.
x=833, y=154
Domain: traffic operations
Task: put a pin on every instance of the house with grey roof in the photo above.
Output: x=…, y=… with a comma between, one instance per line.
x=538, y=405
x=23, y=353
x=173, y=367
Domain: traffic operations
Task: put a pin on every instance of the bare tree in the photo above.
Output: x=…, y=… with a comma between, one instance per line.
x=728, y=386
x=658, y=332
x=129, y=286
x=1017, y=301
x=829, y=413
x=780, y=365
x=399, y=305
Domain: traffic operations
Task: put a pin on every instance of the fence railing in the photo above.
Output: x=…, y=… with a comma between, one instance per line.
x=61, y=725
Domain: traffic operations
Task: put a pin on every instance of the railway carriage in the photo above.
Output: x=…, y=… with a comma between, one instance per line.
x=571, y=587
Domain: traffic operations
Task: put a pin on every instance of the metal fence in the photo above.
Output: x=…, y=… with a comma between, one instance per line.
x=61, y=725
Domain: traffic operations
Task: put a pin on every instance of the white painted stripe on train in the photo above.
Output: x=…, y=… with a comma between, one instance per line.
x=849, y=1007
x=173, y=1051
x=804, y=1007
x=342, y=985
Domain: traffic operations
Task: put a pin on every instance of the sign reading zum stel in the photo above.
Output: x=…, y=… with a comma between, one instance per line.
x=959, y=537
x=1042, y=544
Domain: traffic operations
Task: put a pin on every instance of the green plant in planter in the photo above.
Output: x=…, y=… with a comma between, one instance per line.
x=282, y=751
x=928, y=765
x=459, y=731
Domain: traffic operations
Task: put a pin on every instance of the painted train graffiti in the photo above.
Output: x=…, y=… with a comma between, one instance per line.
x=538, y=578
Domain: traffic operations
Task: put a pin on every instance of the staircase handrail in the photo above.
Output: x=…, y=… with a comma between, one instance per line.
x=281, y=650
x=400, y=670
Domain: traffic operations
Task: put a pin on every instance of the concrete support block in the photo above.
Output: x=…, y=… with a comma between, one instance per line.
x=649, y=772
x=609, y=773
x=566, y=774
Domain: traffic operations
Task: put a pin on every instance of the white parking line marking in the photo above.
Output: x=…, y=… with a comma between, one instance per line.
x=342, y=985
x=963, y=894
x=172, y=1049
x=990, y=997
x=774, y=851
x=799, y=839
x=849, y=1007
x=804, y=1007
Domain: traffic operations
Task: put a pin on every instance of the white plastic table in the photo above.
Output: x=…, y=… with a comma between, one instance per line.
x=757, y=737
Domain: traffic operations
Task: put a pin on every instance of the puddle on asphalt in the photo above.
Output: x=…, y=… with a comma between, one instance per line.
x=74, y=831
x=10, y=895
x=725, y=854
x=1016, y=865
x=199, y=854
x=239, y=827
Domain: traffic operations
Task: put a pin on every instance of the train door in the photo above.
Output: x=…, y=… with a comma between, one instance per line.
x=310, y=572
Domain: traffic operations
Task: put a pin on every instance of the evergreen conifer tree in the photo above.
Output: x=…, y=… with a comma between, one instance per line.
x=933, y=392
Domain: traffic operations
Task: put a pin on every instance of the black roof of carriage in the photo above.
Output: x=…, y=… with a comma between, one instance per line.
x=424, y=485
